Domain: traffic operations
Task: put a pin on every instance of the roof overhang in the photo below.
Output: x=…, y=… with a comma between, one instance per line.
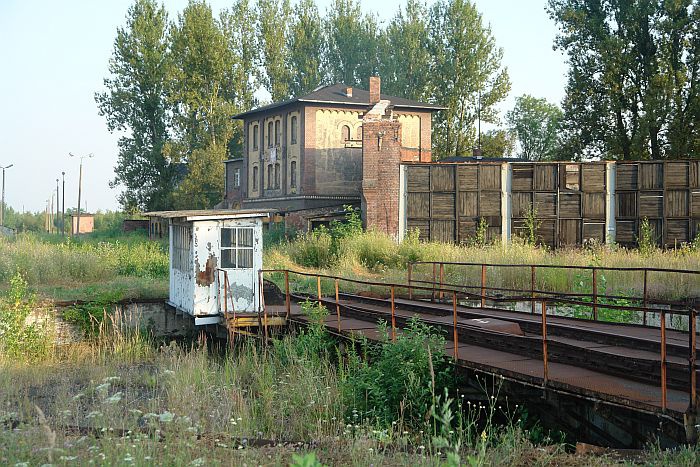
x=212, y=214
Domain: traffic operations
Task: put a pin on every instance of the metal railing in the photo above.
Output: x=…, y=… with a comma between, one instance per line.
x=441, y=289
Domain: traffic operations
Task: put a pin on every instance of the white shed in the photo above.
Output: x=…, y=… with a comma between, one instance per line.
x=206, y=246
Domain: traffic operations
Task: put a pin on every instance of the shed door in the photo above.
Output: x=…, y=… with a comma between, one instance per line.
x=237, y=260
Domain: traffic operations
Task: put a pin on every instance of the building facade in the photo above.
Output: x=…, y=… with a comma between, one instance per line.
x=304, y=157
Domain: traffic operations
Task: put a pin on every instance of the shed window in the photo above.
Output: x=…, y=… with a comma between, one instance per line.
x=237, y=178
x=237, y=248
x=255, y=178
x=293, y=174
x=294, y=129
x=345, y=133
x=182, y=236
x=255, y=137
x=269, y=134
x=277, y=133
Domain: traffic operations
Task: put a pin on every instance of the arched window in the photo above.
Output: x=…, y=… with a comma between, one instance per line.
x=255, y=178
x=255, y=137
x=345, y=133
x=269, y=135
x=359, y=132
x=277, y=132
x=277, y=176
x=294, y=129
x=293, y=174
x=269, y=176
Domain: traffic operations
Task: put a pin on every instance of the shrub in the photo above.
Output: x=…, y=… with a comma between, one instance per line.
x=20, y=339
x=398, y=379
x=313, y=249
x=647, y=238
x=532, y=225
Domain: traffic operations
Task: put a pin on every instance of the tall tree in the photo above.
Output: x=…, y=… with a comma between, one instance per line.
x=202, y=94
x=536, y=123
x=352, y=44
x=497, y=143
x=273, y=33
x=467, y=72
x=633, y=77
x=306, y=44
x=404, y=53
x=135, y=103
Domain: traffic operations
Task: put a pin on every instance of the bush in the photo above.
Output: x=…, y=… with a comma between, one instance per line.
x=20, y=339
x=398, y=379
x=314, y=249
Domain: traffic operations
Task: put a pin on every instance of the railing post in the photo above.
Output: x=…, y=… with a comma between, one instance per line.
x=287, y=296
x=454, y=324
x=262, y=304
x=432, y=297
x=318, y=286
x=483, y=286
x=442, y=279
x=663, y=360
x=595, y=295
x=692, y=324
x=532, y=288
x=545, y=373
x=645, y=297
x=410, y=273
x=393, y=315
x=337, y=304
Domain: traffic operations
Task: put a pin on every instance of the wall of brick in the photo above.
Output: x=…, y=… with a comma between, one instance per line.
x=381, y=159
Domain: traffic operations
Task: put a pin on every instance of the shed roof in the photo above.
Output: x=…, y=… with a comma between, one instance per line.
x=336, y=94
x=209, y=214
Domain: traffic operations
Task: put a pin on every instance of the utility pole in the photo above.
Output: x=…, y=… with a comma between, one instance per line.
x=58, y=200
x=80, y=187
x=2, y=208
x=51, y=226
x=63, y=204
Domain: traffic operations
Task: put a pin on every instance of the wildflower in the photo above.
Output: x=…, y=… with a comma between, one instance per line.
x=114, y=398
x=68, y=458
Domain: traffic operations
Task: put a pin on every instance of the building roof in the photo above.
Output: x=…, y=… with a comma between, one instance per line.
x=336, y=94
x=210, y=214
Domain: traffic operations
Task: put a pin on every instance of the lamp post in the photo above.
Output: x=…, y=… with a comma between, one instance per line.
x=63, y=205
x=2, y=208
x=80, y=187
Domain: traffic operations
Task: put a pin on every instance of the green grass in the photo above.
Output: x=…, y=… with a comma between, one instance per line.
x=375, y=256
x=67, y=269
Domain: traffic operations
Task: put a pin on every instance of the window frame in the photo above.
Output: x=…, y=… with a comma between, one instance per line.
x=255, y=137
x=237, y=177
x=278, y=132
x=345, y=132
x=236, y=247
x=270, y=129
x=269, y=176
x=255, y=178
x=293, y=174
x=294, y=127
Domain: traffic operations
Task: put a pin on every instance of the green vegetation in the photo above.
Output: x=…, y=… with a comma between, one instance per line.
x=83, y=268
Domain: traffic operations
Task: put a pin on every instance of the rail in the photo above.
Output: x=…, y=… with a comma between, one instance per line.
x=441, y=289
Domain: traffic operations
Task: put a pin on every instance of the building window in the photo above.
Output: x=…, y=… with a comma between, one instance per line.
x=294, y=130
x=269, y=176
x=359, y=132
x=277, y=133
x=345, y=133
x=277, y=176
x=182, y=238
x=237, y=248
x=255, y=137
x=237, y=178
x=255, y=178
x=293, y=174
x=269, y=135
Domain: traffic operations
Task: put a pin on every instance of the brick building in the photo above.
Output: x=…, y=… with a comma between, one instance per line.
x=308, y=156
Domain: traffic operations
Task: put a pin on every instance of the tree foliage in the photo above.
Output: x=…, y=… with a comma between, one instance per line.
x=497, y=143
x=135, y=102
x=306, y=44
x=466, y=67
x=633, y=88
x=536, y=124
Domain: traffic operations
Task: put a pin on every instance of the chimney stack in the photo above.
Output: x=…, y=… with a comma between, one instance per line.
x=374, y=89
x=348, y=91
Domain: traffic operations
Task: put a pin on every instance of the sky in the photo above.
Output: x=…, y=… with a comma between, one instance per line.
x=54, y=56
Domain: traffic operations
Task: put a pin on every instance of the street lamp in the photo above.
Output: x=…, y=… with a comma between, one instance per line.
x=80, y=187
x=63, y=205
x=2, y=207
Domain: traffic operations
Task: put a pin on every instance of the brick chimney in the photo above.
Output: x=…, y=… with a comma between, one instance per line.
x=375, y=89
x=348, y=91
